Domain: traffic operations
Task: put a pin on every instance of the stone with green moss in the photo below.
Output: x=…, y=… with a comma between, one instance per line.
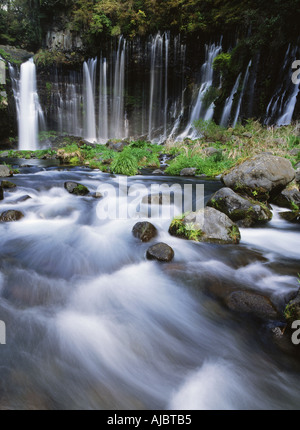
x=245, y=212
x=206, y=225
x=292, y=309
x=76, y=188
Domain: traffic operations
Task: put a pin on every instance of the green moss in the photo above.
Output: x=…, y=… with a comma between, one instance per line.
x=234, y=234
x=185, y=231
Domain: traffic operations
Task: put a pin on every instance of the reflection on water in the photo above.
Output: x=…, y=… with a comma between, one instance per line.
x=91, y=324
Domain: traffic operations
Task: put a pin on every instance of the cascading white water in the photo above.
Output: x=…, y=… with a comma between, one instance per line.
x=245, y=81
x=281, y=107
x=118, y=121
x=29, y=111
x=228, y=104
x=155, y=82
x=89, y=76
x=289, y=108
x=198, y=111
x=103, y=102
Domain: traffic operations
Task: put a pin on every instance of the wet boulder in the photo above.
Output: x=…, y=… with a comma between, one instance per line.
x=292, y=309
x=76, y=188
x=7, y=184
x=11, y=216
x=288, y=198
x=291, y=216
x=298, y=176
x=4, y=171
x=208, y=225
x=144, y=231
x=188, y=171
x=117, y=145
x=252, y=303
x=262, y=176
x=160, y=252
x=244, y=211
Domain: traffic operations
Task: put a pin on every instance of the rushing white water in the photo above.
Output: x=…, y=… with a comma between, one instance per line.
x=281, y=107
x=287, y=116
x=228, y=104
x=118, y=94
x=197, y=112
x=103, y=102
x=92, y=324
x=245, y=81
x=89, y=75
x=29, y=112
x=155, y=82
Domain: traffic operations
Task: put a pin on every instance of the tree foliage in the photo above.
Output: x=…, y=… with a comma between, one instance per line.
x=24, y=22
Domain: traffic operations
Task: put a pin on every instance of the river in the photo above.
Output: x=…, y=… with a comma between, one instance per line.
x=91, y=324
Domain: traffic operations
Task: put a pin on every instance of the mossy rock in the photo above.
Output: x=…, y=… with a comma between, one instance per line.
x=76, y=188
x=261, y=177
x=244, y=211
x=207, y=225
x=292, y=309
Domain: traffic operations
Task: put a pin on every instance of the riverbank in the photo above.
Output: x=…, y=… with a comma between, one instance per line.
x=218, y=150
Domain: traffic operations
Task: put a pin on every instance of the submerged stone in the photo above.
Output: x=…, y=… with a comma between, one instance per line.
x=161, y=252
x=76, y=188
x=144, y=231
x=11, y=215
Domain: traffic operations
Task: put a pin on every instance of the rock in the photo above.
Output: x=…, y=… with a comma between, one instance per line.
x=188, y=171
x=144, y=231
x=241, y=210
x=248, y=135
x=208, y=225
x=288, y=198
x=158, y=172
x=117, y=145
x=294, y=151
x=211, y=151
x=1, y=193
x=21, y=199
x=297, y=176
x=293, y=216
x=11, y=215
x=97, y=195
x=252, y=303
x=4, y=171
x=7, y=184
x=76, y=188
x=292, y=309
x=261, y=176
x=161, y=252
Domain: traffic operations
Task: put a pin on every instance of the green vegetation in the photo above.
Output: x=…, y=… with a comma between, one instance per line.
x=185, y=231
x=23, y=23
x=125, y=163
x=217, y=151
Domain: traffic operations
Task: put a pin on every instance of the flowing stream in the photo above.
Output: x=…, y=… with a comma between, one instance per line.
x=92, y=324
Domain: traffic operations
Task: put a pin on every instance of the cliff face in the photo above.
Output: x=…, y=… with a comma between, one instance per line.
x=155, y=87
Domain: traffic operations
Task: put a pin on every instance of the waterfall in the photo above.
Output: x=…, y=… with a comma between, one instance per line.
x=155, y=82
x=198, y=110
x=103, y=102
x=89, y=76
x=29, y=112
x=245, y=81
x=118, y=121
x=228, y=104
x=289, y=107
x=281, y=107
